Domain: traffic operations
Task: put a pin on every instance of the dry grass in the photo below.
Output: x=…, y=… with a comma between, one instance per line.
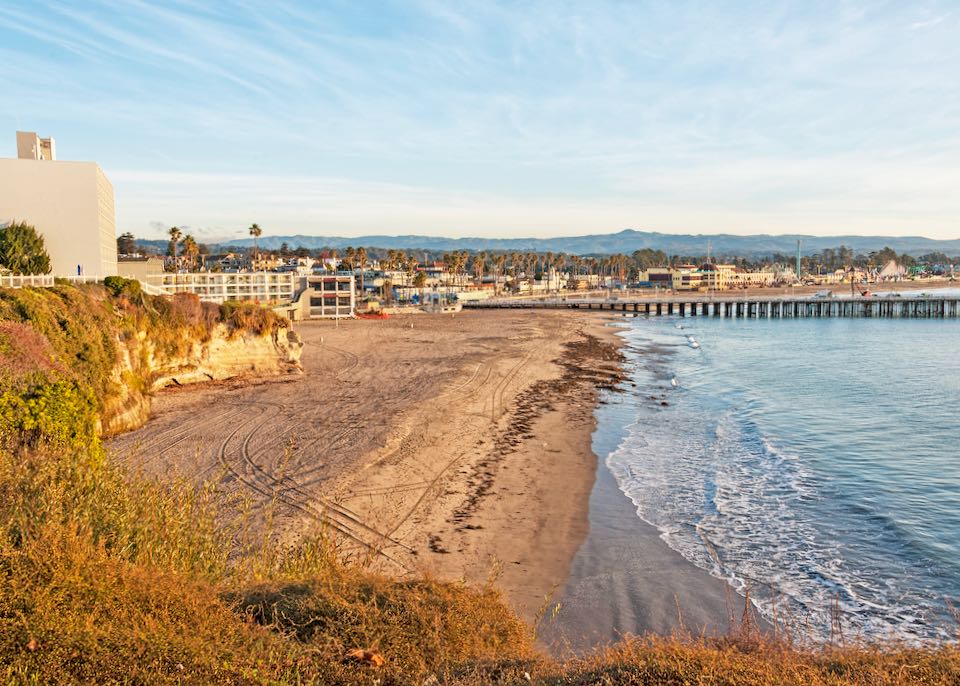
x=108, y=578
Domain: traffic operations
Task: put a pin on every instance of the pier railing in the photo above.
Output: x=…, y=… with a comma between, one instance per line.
x=763, y=307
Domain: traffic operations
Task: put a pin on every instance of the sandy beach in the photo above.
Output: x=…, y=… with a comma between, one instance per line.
x=455, y=446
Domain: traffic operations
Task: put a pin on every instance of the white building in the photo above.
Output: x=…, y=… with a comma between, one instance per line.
x=317, y=296
x=219, y=287
x=328, y=296
x=69, y=203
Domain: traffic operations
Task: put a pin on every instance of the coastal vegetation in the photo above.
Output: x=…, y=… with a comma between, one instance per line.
x=22, y=250
x=60, y=346
x=108, y=577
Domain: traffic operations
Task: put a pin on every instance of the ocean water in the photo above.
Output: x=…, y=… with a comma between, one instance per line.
x=815, y=461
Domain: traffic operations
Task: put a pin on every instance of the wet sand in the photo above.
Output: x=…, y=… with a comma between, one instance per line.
x=626, y=580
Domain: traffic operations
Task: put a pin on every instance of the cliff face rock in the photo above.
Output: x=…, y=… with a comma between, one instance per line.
x=225, y=356
x=143, y=368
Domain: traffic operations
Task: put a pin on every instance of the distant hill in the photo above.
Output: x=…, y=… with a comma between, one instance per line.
x=622, y=242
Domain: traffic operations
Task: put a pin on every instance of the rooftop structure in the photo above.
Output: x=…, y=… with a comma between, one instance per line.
x=69, y=203
x=31, y=147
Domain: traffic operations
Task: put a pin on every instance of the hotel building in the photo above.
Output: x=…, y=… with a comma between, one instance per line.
x=69, y=203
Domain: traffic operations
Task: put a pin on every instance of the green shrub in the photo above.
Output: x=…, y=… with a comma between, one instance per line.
x=117, y=285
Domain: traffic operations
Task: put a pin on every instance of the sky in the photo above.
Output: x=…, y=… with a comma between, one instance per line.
x=494, y=119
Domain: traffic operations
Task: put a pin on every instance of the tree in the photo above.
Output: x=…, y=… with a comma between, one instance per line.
x=256, y=232
x=190, y=250
x=126, y=244
x=175, y=235
x=498, y=262
x=22, y=250
x=362, y=263
x=478, y=266
x=419, y=281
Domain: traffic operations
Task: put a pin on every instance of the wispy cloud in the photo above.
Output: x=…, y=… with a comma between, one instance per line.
x=498, y=117
x=928, y=23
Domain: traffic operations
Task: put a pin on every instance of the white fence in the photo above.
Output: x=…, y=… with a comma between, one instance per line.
x=213, y=287
x=19, y=280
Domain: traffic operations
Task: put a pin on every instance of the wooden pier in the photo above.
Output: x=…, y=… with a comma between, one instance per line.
x=915, y=307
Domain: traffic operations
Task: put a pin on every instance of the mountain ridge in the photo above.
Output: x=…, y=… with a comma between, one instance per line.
x=625, y=241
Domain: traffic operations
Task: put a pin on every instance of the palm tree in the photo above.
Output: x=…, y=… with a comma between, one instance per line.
x=514, y=265
x=478, y=268
x=362, y=263
x=498, y=263
x=191, y=250
x=462, y=266
x=419, y=281
x=256, y=232
x=175, y=233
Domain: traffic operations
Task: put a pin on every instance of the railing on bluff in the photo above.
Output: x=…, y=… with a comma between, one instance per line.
x=48, y=281
x=20, y=280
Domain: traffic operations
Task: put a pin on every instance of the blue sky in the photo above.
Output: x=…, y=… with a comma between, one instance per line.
x=499, y=119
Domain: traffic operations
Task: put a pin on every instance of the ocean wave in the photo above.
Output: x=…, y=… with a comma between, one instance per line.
x=745, y=506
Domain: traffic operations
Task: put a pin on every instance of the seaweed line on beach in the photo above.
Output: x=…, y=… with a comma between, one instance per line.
x=589, y=365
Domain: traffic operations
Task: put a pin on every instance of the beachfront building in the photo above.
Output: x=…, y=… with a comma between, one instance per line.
x=706, y=277
x=314, y=296
x=745, y=279
x=717, y=277
x=219, y=287
x=687, y=278
x=327, y=296
x=69, y=203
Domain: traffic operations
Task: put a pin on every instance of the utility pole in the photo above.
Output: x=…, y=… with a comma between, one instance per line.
x=712, y=281
x=798, y=259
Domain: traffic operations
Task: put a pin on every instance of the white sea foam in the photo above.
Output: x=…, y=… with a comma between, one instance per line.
x=740, y=504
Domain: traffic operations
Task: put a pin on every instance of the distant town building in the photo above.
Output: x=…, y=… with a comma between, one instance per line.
x=141, y=267
x=706, y=277
x=69, y=203
x=892, y=271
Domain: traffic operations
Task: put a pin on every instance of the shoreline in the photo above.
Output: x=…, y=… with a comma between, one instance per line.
x=453, y=447
x=625, y=579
